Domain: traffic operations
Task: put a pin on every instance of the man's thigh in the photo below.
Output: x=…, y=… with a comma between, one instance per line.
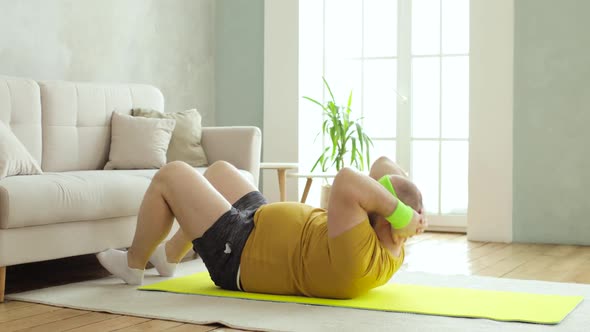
x=228, y=181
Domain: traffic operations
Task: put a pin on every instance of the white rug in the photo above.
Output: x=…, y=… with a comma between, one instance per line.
x=110, y=295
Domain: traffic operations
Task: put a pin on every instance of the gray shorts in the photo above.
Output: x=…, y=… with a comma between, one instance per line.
x=222, y=244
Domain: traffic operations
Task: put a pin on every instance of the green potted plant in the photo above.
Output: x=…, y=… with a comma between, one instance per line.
x=348, y=144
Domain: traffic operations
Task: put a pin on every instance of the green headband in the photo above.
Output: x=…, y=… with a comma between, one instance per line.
x=386, y=182
x=403, y=214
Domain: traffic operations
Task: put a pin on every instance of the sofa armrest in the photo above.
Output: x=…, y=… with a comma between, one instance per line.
x=240, y=146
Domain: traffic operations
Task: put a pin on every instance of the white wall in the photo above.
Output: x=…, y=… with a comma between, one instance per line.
x=280, y=124
x=169, y=44
x=239, y=62
x=491, y=118
x=551, y=98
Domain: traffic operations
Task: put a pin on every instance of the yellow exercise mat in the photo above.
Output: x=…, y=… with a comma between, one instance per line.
x=442, y=301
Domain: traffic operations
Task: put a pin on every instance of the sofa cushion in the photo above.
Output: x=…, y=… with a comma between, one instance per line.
x=185, y=144
x=20, y=110
x=139, y=143
x=14, y=157
x=73, y=196
x=77, y=120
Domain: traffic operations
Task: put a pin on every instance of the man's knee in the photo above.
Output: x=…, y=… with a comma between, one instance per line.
x=170, y=170
x=220, y=165
x=218, y=168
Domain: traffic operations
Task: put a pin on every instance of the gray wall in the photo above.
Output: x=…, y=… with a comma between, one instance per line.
x=551, y=121
x=169, y=44
x=239, y=62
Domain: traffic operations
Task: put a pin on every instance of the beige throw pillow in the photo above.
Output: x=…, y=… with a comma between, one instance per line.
x=14, y=157
x=185, y=144
x=138, y=143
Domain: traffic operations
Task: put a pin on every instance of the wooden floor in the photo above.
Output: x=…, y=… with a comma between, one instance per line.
x=431, y=252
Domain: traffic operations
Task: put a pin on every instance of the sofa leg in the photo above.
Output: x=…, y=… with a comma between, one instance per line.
x=2, y=282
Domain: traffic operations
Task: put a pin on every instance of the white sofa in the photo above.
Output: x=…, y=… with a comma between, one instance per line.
x=75, y=207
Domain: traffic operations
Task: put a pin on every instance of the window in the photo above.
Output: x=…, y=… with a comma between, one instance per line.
x=407, y=63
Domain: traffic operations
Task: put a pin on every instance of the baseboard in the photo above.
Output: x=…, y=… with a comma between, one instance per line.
x=447, y=229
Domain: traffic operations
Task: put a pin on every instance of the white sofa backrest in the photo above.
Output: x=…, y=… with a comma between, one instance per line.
x=76, y=120
x=20, y=109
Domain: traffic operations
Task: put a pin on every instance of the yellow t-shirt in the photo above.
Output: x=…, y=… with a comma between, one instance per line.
x=289, y=253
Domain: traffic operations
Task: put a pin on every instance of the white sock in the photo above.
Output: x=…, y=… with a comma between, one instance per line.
x=160, y=262
x=115, y=261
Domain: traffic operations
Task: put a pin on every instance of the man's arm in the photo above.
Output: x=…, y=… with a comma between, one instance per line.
x=354, y=196
x=383, y=166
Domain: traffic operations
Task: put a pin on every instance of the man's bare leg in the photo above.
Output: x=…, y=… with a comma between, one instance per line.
x=230, y=183
x=177, y=190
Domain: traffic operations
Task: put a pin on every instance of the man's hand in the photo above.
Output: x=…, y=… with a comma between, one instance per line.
x=398, y=240
x=417, y=225
x=399, y=236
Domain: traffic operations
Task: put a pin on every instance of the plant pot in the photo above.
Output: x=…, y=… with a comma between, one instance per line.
x=325, y=196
